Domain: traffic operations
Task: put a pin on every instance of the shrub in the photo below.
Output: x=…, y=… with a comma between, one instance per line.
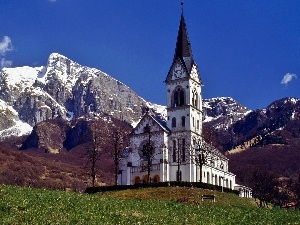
x=160, y=184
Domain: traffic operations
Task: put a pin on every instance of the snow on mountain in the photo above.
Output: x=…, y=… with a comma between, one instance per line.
x=19, y=129
x=68, y=90
x=22, y=76
x=223, y=111
x=63, y=88
x=62, y=68
x=10, y=123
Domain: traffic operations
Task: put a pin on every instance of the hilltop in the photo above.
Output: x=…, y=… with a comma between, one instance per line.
x=160, y=206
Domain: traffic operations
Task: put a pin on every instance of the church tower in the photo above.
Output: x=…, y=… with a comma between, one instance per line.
x=184, y=107
x=175, y=151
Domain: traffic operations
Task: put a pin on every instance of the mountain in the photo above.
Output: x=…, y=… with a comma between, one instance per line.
x=222, y=112
x=53, y=105
x=64, y=89
x=276, y=124
x=68, y=90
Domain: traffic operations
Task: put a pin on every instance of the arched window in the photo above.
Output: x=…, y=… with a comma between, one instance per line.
x=145, y=178
x=183, y=121
x=181, y=97
x=178, y=97
x=174, y=151
x=173, y=122
x=195, y=99
x=146, y=149
x=156, y=178
x=136, y=180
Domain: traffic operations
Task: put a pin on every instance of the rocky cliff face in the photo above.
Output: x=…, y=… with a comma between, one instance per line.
x=65, y=89
x=48, y=136
x=266, y=125
x=276, y=124
x=221, y=113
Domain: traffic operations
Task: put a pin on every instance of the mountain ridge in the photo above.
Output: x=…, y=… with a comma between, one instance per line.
x=64, y=88
x=58, y=100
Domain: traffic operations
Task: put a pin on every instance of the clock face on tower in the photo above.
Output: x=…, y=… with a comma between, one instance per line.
x=177, y=71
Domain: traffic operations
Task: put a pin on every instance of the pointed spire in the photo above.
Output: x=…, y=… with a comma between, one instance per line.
x=183, y=49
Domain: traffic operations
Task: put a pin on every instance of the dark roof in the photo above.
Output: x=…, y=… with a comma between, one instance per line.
x=183, y=45
x=162, y=122
x=157, y=119
x=183, y=50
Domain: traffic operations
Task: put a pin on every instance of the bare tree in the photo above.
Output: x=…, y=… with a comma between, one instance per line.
x=148, y=150
x=97, y=147
x=264, y=186
x=201, y=155
x=180, y=150
x=118, y=141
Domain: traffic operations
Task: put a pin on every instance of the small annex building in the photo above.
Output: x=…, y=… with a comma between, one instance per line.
x=174, y=150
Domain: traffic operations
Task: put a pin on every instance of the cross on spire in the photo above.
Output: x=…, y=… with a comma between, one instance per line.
x=182, y=3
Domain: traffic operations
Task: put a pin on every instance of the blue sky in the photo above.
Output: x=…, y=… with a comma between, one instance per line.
x=248, y=50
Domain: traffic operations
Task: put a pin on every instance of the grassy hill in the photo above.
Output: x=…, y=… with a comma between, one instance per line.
x=20, y=205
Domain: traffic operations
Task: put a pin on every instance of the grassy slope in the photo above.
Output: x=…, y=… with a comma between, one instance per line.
x=19, y=205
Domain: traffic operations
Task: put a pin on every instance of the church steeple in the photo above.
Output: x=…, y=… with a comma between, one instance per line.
x=183, y=61
x=184, y=88
x=183, y=50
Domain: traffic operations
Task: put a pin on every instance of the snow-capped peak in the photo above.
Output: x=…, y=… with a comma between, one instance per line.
x=65, y=70
x=292, y=100
x=22, y=77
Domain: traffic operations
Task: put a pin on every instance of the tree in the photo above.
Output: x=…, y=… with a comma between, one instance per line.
x=201, y=156
x=97, y=146
x=296, y=191
x=118, y=140
x=148, y=150
x=264, y=186
x=284, y=192
x=180, y=152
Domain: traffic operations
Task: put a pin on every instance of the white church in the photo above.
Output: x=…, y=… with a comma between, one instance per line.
x=174, y=150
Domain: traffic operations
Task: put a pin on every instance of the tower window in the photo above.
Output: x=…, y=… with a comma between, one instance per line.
x=195, y=99
x=178, y=97
x=198, y=124
x=181, y=97
x=173, y=122
x=183, y=121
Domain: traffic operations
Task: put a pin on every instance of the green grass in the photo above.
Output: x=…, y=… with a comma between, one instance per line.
x=20, y=205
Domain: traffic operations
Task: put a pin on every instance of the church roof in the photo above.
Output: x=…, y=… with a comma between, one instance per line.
x=183, y=45
x=156, y=119
x=162, y=123
x=183, y=50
